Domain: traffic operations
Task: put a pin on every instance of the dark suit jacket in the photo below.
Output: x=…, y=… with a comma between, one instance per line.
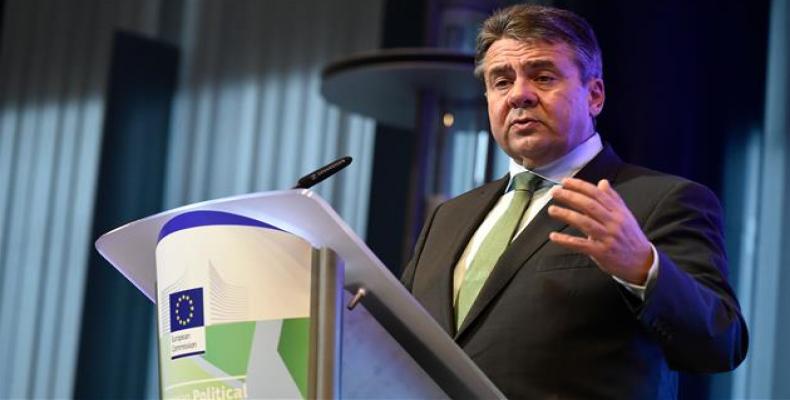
x=549, y=324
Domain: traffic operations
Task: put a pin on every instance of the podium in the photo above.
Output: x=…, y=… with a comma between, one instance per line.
x=368, y=337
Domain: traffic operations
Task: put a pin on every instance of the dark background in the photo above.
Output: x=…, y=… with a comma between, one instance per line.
x=681, y=79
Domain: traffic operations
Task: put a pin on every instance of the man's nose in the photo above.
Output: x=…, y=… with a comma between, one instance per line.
x=522, y=95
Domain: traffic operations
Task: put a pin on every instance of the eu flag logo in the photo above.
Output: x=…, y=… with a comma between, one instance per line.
x=186, y=309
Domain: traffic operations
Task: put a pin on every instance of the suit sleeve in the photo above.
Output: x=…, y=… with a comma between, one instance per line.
x=407, y=277
x=690, y=307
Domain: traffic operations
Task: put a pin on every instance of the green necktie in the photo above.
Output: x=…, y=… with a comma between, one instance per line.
x=495, y=244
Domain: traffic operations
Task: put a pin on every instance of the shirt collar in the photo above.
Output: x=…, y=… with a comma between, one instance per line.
x=563, y=167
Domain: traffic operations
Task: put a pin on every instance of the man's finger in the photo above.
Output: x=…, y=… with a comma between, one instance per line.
x=582, y=203
x=608, y=191
x=575, y=243
x=588, y=189
x=579, y=185
x=582, y=222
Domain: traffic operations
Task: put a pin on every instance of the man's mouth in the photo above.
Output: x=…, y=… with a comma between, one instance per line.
x=524, y=123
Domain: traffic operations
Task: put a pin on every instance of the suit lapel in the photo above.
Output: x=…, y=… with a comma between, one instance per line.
x=604, y=166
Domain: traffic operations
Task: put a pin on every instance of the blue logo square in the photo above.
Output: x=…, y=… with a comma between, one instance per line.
x=186, y=309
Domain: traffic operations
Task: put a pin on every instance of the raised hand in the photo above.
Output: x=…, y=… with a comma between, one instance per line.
x=614, y=241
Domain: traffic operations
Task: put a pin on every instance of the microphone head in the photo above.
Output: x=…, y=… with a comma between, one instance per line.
x=322, y=173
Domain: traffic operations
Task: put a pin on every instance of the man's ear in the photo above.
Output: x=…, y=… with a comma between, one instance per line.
x=597, y=96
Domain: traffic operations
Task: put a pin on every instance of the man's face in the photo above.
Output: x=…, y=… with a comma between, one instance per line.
x=537, y=104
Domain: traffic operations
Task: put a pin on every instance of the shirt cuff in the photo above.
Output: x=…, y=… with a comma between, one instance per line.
x=652, y=274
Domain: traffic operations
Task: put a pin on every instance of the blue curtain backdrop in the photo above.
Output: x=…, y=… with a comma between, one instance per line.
x=248, y=113
x=247, y=116
x=53, y=69
x=763, y=193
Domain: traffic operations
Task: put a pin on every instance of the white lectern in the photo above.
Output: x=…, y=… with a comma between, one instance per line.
x=387, y=346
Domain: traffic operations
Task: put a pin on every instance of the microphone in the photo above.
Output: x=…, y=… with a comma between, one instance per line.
x=322, y=173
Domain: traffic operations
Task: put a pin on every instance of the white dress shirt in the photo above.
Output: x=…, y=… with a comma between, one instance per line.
x=554, y=172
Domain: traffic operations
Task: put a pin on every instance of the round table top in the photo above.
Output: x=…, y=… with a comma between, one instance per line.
x=384, y=84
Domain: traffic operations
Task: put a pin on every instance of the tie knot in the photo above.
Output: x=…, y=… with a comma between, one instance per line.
x=526, y=181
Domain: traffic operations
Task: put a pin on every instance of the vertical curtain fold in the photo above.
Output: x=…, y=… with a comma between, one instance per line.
x=763, y=275
x=53, y=69
x=249, y=115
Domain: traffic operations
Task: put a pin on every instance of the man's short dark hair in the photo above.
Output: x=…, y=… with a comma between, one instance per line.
x=528, y=23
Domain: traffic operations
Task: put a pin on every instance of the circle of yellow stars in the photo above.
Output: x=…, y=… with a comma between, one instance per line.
x=184, y=320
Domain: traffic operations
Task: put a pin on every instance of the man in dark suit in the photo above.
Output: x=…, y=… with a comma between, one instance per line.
x=576, y=275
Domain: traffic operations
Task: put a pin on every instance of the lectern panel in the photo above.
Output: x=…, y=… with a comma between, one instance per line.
x=234, y=306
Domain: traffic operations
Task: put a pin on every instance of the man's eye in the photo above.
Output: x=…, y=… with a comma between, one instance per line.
x=545, y=78
x=501, y=83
